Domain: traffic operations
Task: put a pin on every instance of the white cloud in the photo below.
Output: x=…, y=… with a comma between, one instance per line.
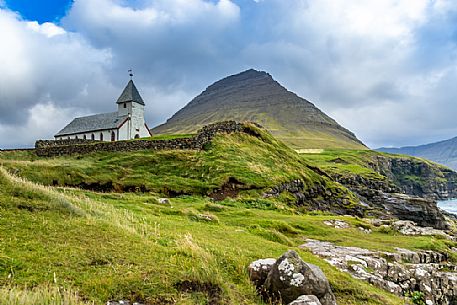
x=384, y=69
x=48, y=29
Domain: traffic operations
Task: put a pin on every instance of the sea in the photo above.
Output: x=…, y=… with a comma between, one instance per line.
x=448, y=205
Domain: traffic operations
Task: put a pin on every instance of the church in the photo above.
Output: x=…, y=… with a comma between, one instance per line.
x=125, y=124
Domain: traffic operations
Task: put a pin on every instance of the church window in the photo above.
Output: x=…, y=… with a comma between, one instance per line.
x=125, y=105
x=92, y=137
x=137, y=136
x=76, y=138
x=101, y=136
x=113, y=136
x=85, y=137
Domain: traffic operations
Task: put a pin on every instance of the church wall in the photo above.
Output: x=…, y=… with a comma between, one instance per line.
x=80, y=136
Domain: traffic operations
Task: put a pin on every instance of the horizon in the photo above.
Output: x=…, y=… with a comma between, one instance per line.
x=385, y=71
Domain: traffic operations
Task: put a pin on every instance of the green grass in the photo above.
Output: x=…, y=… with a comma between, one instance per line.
x=108, y=246
x=57, y=241
x=255, y=162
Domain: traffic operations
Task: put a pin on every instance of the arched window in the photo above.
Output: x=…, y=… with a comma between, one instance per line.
x=92, y=137
x=76, y=138
x=113, y=136
x=85, y=137
x=101, y=136
x=68, y=138
x=125, y=105
x=137, y=136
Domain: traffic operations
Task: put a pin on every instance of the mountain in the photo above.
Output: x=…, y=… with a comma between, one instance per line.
x=255, y=96
x=443, y=152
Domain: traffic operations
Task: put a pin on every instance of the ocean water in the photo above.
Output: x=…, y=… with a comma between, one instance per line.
x=448, y=205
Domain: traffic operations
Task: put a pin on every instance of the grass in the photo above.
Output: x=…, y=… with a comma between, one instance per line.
x=112, y=246
x=62, y=242
x=254, y=162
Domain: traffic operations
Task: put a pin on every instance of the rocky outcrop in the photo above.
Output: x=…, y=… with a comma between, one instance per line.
x=319, y=197
x=384, y=198
x=289, y=278
x=398, y=272
x=417, y=177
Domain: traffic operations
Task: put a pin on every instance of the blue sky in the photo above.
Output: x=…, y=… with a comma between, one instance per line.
x=386, y=70
x=41, y=11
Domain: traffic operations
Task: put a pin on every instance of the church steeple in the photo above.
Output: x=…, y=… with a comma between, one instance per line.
x=130, y=94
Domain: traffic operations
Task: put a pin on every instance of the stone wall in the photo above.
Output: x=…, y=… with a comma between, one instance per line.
x=49, y=148
x=53, y=143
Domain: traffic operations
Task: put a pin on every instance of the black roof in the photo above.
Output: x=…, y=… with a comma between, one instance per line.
x=130, y=94
x=93, y=123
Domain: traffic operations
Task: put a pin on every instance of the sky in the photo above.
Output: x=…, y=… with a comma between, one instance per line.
x=386, y=70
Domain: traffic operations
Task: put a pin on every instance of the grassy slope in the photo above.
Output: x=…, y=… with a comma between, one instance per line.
x=256, y=163
x=125, y=245
x=120, y=246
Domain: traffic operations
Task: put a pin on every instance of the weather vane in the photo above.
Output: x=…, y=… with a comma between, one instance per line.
x=131, y=74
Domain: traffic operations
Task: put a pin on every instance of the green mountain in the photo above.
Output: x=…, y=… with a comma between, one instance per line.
x=255, y=96
x=443, y=152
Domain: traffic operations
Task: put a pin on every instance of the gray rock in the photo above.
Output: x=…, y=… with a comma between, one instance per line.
x=290, y=277
x=164, y=201
x=258, y=270
x=306, y=300
x=399, y=272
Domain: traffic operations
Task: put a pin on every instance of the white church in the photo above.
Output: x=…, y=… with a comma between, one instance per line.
x=125, y=124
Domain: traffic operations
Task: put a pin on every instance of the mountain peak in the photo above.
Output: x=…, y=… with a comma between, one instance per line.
x=255, y=96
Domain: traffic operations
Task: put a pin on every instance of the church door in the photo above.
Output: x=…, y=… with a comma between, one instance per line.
x=113, y=136
x=101, y=136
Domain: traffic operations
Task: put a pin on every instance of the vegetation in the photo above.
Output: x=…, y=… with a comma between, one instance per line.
x=59, y=243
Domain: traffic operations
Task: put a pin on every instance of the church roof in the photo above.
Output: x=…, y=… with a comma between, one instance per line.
x=92, y=123
x=130, y=94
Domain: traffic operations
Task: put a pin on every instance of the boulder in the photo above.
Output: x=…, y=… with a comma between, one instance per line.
x=258, y=270
x=290, y=277
x=306, y=300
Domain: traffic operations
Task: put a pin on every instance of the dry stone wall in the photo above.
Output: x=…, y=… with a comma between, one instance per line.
x=49, y=148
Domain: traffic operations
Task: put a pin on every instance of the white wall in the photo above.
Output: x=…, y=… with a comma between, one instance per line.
x=106, y=135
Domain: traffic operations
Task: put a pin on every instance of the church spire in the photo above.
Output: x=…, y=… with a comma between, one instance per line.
x=130, y=93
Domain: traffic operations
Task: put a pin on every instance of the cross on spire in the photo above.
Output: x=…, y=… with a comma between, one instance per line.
x=131, y=74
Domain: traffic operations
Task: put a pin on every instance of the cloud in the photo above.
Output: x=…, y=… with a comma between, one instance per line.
x=384, y=69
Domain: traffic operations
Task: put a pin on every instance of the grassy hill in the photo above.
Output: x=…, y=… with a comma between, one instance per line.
x=90, y=246
x=256, y=97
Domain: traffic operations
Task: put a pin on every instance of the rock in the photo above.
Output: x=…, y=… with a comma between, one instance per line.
x=258, y=270
x=364, y=230
x=306, y=300
x=337, y=224
x=164, y=201
x=290, y=277
x=407, y=227
x=122, y=302
x=398, y=272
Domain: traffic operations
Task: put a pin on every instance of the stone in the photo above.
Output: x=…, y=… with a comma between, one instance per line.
x=306, y=300
x=337, y=224
x=290, y=277
x=122, y=302
x=164, y=201
x=258, y=270
x=407, y=227
x=397, y=272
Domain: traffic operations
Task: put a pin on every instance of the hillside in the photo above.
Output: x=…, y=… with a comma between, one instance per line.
x=255, y=96
x=112, y=238
x=443, y=152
